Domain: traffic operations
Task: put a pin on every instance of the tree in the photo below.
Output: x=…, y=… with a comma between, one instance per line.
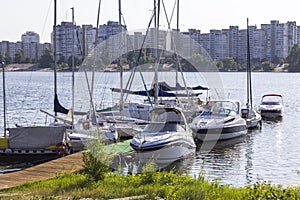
x=76, y=62
x=19, y=56
x=229, y=64
x=46, y=59
x=7, y=58
x=293, y=59
x=267, y=66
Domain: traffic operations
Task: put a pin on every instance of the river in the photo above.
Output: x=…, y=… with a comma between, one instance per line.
x=269, y=154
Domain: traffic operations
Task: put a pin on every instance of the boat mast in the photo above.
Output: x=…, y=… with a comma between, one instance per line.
x=54, y=54
x=73, y=66
x=177, y=29
x=95, y=50
x=157, y=60
x=120, y=59
x=249, y=88
x=4, y=99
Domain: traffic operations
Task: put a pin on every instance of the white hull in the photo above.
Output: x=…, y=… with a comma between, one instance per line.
x=219, y=136
x=166, y=155
x=271, y=114
x=253, y=123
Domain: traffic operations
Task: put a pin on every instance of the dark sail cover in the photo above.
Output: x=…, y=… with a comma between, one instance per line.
x=151, y=93
x=58, y=107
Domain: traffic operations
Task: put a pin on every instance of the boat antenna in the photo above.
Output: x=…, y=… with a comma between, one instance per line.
x=249, y=88
x=4, y=98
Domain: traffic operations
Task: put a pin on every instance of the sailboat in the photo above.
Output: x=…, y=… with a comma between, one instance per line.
x=161, y=92
x=252, y=117
x=22, y=144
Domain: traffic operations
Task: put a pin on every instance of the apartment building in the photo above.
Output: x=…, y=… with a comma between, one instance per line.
x=271, y=41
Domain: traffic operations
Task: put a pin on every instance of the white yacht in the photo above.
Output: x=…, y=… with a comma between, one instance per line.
x=167, y=138
x=271, y=106
x=219, y=120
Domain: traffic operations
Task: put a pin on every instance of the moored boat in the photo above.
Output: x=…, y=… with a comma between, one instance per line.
x=33, y=143
x=271, y=106
x=165, y=139
x=220, y=120
x=252, y=117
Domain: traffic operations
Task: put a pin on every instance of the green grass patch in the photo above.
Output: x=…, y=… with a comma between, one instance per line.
x=166, y=185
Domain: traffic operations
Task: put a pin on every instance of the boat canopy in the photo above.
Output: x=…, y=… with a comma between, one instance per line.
x=164, y=90
x=151, y=93
x=166, y=87
x=267, y=95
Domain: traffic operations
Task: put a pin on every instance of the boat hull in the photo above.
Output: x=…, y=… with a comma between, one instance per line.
x=271, y=113
x=253, y=123
x=166, y=155
x=220, y=134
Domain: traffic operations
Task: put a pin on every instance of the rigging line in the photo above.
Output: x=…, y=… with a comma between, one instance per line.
x=43, y=31
x=138, y=60
x=179, y=66
x=130, y=79
x=173, y=11
x=165, y=11
x=95, y=47
x=91, y=98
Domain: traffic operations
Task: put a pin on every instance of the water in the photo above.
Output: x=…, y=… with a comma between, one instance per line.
x=270, y=154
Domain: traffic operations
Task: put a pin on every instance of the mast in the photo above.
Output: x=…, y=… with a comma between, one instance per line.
x=177, y=29
x=95, y=50
x=157, y=60
x=4, y=99
x=120, y=59
x=54, y=54
x=73, y=65
x=249, y=88
x=177, y=15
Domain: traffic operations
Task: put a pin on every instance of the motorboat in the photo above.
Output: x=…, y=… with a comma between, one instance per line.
x=166, y=139
x=219, y=120
x=271, y=106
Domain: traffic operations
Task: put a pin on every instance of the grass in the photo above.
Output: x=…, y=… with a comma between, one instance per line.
x=96, y=181
x=166, y=185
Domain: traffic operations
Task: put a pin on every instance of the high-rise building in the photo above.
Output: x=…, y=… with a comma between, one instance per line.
x=30, y=37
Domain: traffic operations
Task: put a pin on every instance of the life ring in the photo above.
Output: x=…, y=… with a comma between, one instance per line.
x=61, y=149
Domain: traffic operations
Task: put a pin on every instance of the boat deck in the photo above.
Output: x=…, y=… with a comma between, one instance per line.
x=47, y=170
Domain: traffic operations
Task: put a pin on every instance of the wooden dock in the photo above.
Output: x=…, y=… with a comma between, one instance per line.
x=70, y=163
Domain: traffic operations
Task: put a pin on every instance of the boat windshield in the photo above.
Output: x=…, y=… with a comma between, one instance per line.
x=166, y=116
x=222, y=108
x=270, y=103
x=271, y=100
x=162, y=127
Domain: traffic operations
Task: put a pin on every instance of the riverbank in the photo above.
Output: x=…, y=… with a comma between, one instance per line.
x=151, y=185
x=35, y=67
x=30, y=68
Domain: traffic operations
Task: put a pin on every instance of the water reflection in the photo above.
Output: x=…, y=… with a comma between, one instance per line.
x=129, y=163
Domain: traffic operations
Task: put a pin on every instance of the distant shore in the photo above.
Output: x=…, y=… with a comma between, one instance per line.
x=35, y=67
x=25, y=67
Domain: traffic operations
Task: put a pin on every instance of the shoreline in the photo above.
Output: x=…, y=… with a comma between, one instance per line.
x=35, y=67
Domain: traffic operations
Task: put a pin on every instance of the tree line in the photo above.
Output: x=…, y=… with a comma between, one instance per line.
x=291, y=63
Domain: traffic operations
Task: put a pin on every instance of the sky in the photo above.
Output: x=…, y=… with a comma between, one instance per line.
x=19, y=16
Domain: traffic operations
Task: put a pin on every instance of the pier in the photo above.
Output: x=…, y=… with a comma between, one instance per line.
x=47, y=170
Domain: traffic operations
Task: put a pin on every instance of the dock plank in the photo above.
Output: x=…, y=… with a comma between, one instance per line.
x=50, y=169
